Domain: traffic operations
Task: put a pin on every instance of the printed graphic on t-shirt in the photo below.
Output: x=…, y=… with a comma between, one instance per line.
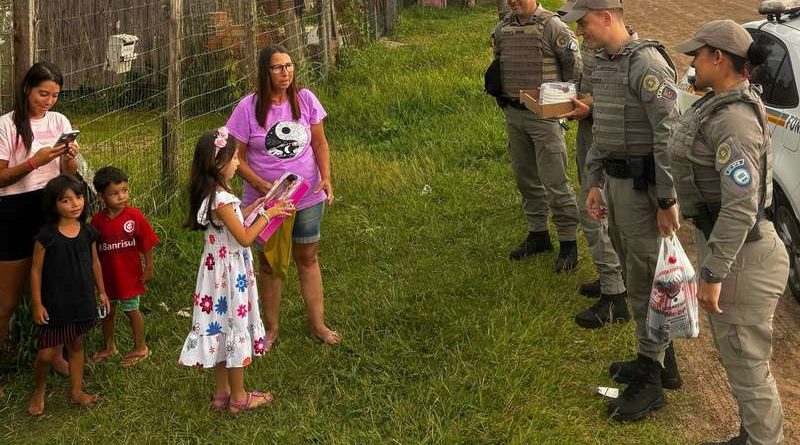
x=129, y=226
x=286, y=139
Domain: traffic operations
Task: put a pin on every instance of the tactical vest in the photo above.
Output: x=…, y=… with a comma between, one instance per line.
x=589, y=58
x=524, y=62
x=620, y=121
x=694, y=162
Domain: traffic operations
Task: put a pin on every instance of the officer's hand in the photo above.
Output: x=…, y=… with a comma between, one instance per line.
x=581, y=111
x=596, y=204
x=668, y=221
x=708, y=296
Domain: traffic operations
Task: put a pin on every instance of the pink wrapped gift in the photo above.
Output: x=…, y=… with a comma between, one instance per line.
x=291, y=187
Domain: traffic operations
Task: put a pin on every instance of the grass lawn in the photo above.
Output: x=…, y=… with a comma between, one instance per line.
x=446, y=341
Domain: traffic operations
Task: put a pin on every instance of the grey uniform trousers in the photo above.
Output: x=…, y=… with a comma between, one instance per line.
x=604, y=256
x=743, y=332
x=633, y=229
x=539, y=162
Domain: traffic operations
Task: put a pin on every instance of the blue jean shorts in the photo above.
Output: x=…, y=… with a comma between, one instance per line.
x=308, y=224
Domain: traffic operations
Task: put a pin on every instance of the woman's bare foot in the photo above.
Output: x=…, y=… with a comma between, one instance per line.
x=99, y=356
x=61, y=367
x=328, y=336
x=36, y=405
x=83, y=399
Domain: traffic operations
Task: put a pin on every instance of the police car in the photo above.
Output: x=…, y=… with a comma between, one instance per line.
x=780, y=33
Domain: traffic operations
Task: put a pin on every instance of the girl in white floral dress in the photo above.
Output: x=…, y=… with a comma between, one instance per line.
x=226, y=326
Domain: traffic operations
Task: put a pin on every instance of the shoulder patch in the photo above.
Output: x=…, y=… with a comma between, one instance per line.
x=723, y=153
x=666, y=92
x=562, y=40
x=741, y=176
x=732, y=167
x=651, y=83
x=573, y=45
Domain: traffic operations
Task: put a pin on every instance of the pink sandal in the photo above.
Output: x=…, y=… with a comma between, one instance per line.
x=248, y=405
x=220, y=403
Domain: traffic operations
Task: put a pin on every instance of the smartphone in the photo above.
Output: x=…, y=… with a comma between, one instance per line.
x=68, y=137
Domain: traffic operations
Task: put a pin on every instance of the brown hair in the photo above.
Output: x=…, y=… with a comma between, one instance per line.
x=264, y=87
x=206, y=176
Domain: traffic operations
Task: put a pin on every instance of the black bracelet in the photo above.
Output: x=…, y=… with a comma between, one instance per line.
x=665, y=203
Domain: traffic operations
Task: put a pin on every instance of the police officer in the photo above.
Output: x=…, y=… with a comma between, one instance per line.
x=634, y=100
x=610, y=286
x=722, y=162
x=534, y=46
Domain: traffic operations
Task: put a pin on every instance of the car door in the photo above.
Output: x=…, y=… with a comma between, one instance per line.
x=778, y=80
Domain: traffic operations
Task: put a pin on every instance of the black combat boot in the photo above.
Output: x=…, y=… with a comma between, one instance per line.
x=608, y=309
x=536, y=242
x=567, y=259
x=643, y=395
x=591, y=289
x=741, y=439
x=622, y=372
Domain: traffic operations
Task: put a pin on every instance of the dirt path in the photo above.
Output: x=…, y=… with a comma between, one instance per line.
x=712, y=413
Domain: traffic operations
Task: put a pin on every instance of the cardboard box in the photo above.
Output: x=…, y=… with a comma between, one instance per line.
x=530, y=98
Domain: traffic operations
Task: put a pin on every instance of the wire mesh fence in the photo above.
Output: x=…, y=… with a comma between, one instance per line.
x=142, y=78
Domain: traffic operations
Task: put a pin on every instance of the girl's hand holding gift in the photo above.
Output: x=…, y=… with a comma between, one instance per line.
x=255, y=206
x=281, y=208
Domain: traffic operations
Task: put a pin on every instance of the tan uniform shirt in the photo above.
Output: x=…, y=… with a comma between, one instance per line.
x=728, y=157
x=652, y=91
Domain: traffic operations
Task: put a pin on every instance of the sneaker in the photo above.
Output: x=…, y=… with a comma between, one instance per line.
x=567, y=259
x=590, y=289
x=536, y=242
x=608, y=309
x=643, y=395
x=622, y=372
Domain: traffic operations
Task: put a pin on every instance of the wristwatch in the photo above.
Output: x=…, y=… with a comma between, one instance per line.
x=665, y=203
x=708, y=276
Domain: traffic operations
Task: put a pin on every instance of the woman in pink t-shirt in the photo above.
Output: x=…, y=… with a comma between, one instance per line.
x=279, y=129
x=29, y=158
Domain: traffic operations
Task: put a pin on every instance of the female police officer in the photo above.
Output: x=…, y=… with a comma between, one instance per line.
x=722, y=166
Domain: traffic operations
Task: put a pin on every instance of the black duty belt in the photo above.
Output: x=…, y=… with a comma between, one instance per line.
x=707, y=218
x=642, y=169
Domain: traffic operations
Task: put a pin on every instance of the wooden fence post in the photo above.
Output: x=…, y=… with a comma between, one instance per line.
x=24, y=41
x=325, y=34
x=170, y=142
x=294, y=30
x=252, y=42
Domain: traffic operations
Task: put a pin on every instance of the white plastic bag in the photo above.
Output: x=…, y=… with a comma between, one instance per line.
x=673, y=310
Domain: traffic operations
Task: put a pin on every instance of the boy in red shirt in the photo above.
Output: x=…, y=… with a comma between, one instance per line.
x=125, y=237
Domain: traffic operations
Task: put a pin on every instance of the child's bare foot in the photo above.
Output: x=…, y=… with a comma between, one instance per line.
x=135, y=357
x=36, y=405
x=84, y=399
x=328, y=336
x=102, y=354
x=61, y=367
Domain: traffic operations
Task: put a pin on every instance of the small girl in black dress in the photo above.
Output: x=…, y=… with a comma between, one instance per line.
x=64, y=275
